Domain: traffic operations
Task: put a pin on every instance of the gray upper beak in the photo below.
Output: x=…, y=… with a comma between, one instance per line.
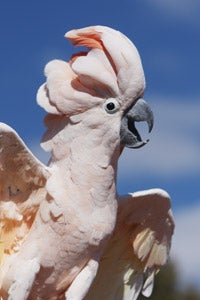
x=139, y=112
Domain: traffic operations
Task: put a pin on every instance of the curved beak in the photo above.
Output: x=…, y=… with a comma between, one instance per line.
x=139, y=112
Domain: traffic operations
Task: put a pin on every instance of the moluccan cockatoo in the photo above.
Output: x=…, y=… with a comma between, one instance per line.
x=65, y=233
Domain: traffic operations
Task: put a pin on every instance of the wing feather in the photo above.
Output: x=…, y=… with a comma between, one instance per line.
x=22, y=180
x=138, y=248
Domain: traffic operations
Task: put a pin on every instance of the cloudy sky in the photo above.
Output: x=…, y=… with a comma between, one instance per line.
x=167, y=34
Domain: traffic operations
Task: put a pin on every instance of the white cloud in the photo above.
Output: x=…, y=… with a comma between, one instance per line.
x=174, y=147
x=186, y=245
x=186, y=10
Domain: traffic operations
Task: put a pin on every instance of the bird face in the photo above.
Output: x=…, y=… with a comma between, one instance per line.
x=108, y=75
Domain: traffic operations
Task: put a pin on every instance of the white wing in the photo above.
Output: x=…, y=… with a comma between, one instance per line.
x=22, y=178
x=138, y=248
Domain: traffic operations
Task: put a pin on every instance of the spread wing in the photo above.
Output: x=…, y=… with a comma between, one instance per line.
x=138, y=248
x=22, y=178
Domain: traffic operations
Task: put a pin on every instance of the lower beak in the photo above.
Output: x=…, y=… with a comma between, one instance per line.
x=139, y=112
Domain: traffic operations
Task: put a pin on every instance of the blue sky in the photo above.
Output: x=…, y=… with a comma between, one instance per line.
x=167, y=35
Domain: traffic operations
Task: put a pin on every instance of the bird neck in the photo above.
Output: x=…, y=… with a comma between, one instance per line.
x=87, y=158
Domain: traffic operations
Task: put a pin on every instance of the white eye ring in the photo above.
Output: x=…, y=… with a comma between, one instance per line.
x=111, y=105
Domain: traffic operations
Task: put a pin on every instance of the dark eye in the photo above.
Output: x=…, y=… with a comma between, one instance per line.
x=111, y=106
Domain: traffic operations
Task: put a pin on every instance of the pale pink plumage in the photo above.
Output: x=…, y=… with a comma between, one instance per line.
x=63, y=225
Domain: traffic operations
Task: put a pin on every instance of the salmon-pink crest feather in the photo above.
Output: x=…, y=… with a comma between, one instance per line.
x=111, y=68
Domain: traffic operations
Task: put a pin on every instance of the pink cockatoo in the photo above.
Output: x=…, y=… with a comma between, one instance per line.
x=65, y=232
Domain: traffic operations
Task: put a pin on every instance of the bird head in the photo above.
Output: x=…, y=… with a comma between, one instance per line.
x=108, y=77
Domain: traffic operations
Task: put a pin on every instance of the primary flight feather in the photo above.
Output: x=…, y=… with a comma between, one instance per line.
x=65, y=233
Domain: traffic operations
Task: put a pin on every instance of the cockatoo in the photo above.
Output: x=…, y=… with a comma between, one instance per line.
x=65, y=232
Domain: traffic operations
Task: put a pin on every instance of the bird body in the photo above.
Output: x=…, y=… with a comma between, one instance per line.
x=76, y=215
x=65, y=232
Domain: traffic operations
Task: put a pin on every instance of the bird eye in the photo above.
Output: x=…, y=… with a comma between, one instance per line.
x=111, y=106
